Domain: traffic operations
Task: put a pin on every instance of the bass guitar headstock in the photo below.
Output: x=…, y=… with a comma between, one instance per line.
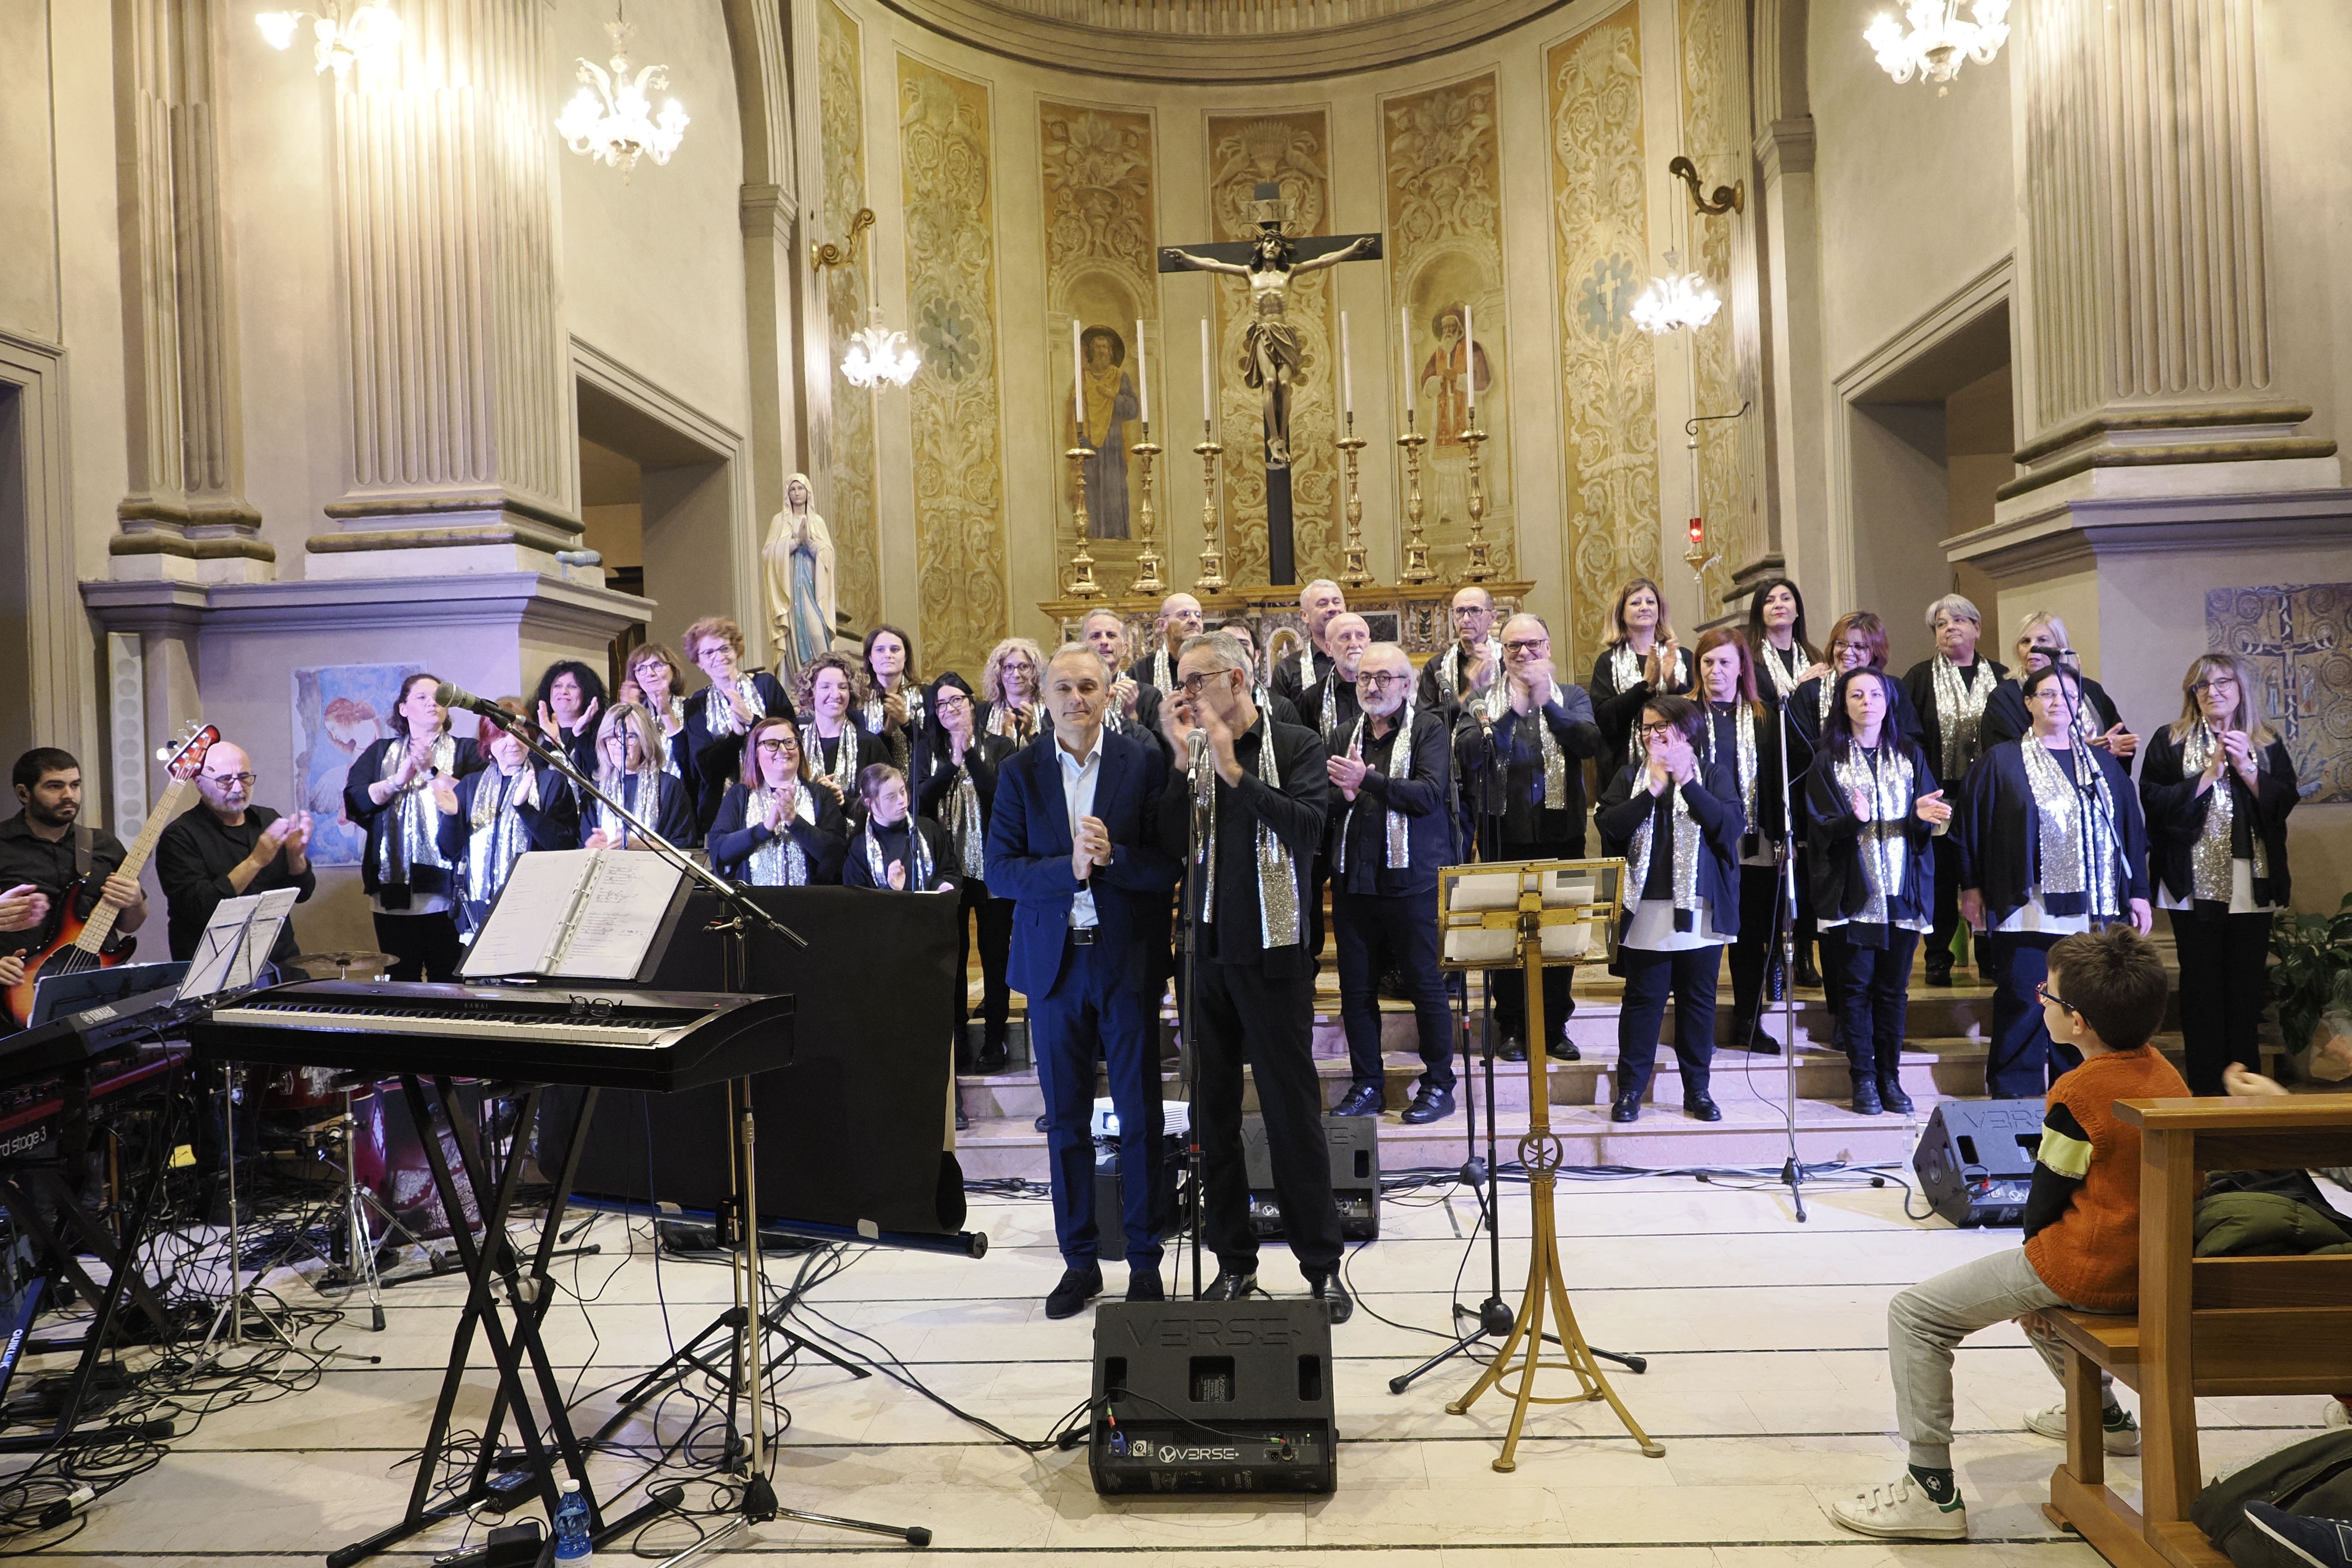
x=184, y=757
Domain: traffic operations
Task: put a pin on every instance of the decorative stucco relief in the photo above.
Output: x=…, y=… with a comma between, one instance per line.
x=850, y=292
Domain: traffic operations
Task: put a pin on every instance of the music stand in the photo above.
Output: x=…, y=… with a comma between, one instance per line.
x=1546, y=912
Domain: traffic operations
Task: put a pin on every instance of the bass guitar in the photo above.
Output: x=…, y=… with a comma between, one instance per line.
x=80, y=942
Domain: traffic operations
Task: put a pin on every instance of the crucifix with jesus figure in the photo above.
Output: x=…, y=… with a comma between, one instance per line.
x=1270, y=261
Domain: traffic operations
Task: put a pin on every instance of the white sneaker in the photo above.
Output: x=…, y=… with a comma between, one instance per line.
x=1903, y=1512
x=2120, y=1436
x=2339, y=1415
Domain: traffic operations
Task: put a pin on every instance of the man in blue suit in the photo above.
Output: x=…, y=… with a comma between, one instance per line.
x=1072, y=842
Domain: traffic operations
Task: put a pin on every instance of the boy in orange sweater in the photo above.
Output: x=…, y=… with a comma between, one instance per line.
x=2105, y=996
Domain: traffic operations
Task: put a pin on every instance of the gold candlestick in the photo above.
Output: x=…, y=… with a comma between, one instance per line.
x=1478, y=568
x=1352, y=571
x=1082, y=565
x=1146, y=576
x=1416, y=553
x=1212, y=576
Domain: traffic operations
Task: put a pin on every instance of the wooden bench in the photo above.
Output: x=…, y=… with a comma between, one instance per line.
x=2207, y=1327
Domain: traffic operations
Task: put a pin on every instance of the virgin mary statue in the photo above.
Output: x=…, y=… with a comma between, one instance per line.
x=799, y=559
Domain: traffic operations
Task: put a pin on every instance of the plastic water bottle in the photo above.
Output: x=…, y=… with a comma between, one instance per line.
x=571, y=1541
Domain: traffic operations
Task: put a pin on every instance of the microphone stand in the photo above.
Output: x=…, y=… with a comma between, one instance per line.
x=1784, y=928
x=1201, y=783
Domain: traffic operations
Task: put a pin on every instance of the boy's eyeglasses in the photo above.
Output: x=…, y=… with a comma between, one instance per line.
x=2042, y=990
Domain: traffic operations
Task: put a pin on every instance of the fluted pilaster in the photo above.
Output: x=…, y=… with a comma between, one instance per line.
x=2147, y=325
x=463, y=446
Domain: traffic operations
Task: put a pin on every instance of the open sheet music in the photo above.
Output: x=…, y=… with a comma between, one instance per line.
x=579, y=914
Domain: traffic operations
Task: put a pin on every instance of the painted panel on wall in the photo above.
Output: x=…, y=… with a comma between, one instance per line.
x=1100, y=271
x=2298, y=638
x=1445, y=249
x=842, y=108
x=1607, y=372
x=1715, y=114
x=1293, y=150
x=944, y=153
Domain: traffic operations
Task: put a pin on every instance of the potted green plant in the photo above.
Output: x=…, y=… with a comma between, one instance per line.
x=2310, y=981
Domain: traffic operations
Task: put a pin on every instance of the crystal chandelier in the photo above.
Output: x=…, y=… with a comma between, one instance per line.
x=367, y=36
x=611, y=118
x=877, y=354
x=1937, y=43
x=1677, y=301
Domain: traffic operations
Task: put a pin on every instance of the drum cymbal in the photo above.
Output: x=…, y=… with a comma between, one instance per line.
x=332, y=965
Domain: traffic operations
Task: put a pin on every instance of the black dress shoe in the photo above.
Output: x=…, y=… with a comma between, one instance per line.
x=1428, y=1105
x=1337, y=1305
x=1865, y=1095
x=1230, y=1285
x=1040, y=1122
x=1938, y=974
x=964, y=1122
x=1628, y=1108
x=1891, y=1095
x=1078, y=1286
x=1807, y=974
x=1514, y=1050
x=1701, y=1108
x=1143, y=1285
x=1365, y=1099
x=1563, y=1050
x=992, y=1058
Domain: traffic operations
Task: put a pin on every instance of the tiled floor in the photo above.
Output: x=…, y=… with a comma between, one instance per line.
x=1766, y=1384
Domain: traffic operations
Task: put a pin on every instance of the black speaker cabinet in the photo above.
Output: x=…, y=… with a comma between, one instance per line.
x=1975, y=1160
x=1109, y=1193
x=1212, y=1396
x=1355, y=1144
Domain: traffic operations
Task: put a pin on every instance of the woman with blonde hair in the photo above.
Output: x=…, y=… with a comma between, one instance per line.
x=1012, y=691
x=628, y=769
x=2041, y=642
x=1641, y=660
x=2216, y=790
x=839, y=749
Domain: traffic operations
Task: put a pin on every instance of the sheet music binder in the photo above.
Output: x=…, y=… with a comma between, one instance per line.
x=579, y=914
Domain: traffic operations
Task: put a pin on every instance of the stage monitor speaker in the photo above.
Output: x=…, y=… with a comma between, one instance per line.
x=1212, y=1396
x=1109, y=1199
x=1355, y=1145
x=1975, y=1160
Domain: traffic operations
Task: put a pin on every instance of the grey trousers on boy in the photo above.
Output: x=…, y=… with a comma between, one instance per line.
x=1926, y=1322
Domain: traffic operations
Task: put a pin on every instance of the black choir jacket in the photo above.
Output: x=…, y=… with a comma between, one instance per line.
x=364, y=813
x=1422, y=790
x=716, y=755
x=1617, y=711
x=1833, y=857
x=1919, y=686
x=738, y=832
x=1517, y=795
x=1296, y=812
x=1713, y=796
x=2006, y=719
x=1720, y=744
x=1805, y=719
x=1427, y=692
x=1997, y=827
x=981, y=759
x=194, y=858
x=669, y=813
x=2176, y=816
x=553, y=824
x=1284, y=681
x=856, y=873
x=871, y=748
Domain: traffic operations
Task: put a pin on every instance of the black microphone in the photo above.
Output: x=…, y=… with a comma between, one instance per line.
x=449, y=694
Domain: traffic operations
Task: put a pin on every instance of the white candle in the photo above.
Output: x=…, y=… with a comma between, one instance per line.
x=1347, y=370
x=1404, y=336
x=1142, y=376
x=1470, y=362
x=1208, y=392
x=1077, y=382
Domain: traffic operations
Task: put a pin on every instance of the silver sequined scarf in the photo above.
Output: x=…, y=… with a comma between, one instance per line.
x=640, y=791
x=1000, y=721
x=1163, y=675
x=965, y=836
x=844, y=772
x=414, y=838
x=875, y=713
x=1960, y=714
x=1277, y=878
x=2077, y=849
x=1450, y=672
x=1783, y=676
x=499, y=837
x=918, y=855
x=1399, y=839
x=2211, y=875
x=1744, y=729
x=1686, y=860
x=1625, y=669
x=719, y=714
x=780, y=862
x=1884, y=775
x=1555, y=763
x=668, y=755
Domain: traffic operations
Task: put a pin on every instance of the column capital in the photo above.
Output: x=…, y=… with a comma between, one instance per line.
x=1786, y=148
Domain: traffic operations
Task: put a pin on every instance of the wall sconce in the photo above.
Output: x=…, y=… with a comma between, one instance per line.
x=823, y=256
x=1728, y=198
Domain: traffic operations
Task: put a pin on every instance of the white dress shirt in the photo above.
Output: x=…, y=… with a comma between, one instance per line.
x=1079, y=777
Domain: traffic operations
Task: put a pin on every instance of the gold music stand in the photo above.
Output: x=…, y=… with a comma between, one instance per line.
x=1536, y=912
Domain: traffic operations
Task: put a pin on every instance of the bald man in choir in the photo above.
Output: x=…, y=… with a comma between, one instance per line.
x=1470, y=660
x=1179, y=618
x=1394, y=775
x=227, y=848
x=1317, y=603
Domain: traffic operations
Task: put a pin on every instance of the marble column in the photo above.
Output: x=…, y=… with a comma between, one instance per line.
x=462, y=446
x=185, y=514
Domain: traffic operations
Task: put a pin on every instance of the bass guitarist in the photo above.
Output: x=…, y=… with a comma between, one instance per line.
x=45, y=852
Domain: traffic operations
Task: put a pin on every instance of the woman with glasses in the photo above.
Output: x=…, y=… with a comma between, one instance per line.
x=1641, y=660
x=1776, y=636
x=628, y=769
x=2041, y=639
x=1871, y=812
x=1742, y=733
x=2217, y=787
x=1012, y=691
x=722, y=715
x=390, y=794
x=1676, y=817
x=836, y=751
x=959, y=795
x=660, y=681
x=897, y=851
x=497, y=814
x=2051, y=843
x=1950, y=692
x=775, y=827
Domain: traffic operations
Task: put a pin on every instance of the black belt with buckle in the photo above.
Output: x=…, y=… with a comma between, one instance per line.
x=1081, y=936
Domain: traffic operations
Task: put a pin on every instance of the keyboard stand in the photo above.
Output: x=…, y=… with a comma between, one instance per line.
x=493, y=1268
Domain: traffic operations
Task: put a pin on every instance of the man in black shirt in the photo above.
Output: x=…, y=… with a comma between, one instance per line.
x=229, y=846
x=41, y=848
